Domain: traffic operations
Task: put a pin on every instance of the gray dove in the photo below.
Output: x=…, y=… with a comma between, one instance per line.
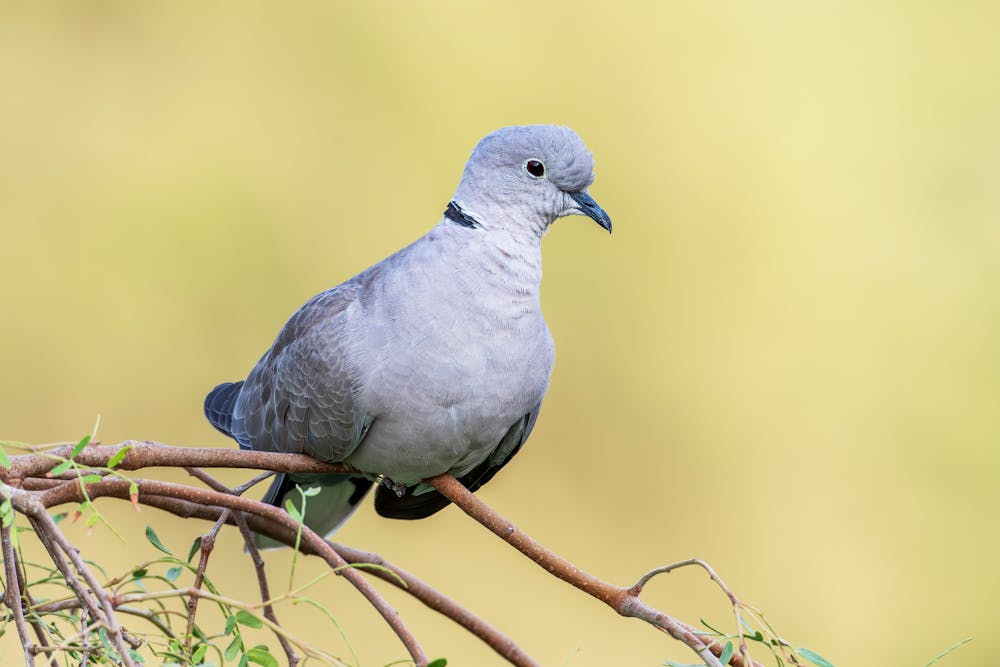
x=435, y=359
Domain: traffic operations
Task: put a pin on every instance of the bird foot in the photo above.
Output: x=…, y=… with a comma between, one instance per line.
x=395, y=487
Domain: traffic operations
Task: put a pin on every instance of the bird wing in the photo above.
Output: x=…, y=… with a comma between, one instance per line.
x=300, y=397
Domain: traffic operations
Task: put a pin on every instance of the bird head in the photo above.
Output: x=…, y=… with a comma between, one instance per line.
x=528, y=177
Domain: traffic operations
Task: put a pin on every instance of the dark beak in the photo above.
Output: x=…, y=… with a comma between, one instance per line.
x=590, y=208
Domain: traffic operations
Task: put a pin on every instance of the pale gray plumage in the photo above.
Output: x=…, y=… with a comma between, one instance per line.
x=435, y=359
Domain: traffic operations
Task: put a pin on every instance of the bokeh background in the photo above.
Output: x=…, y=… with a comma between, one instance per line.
x=785, y=360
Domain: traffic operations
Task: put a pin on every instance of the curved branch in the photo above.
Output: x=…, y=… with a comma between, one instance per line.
x=202, y=506
x=625, y=601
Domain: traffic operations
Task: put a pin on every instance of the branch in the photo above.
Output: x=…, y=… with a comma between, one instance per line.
x=14, y=597
x=199, y=509
x=148, y=454
x=625, y=601
x=226, y=506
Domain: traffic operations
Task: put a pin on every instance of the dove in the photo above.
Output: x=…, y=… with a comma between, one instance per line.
x=434, y=360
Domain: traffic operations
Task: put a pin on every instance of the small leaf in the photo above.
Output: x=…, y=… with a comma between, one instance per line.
x=173, y=573
x=813, y=657
x=233, y=648
x=440, y=662
x=133, y=495
x=155, y=541
x=4, y=459
x=261, y=656
x=79, y=446
x=91, y=520
x=60, y=469
x=119, y=456
x=755, y=635
x=136, y=656
x=90, y=479
x=59, y=518
x=199, y=653
x=230, y=624
x=312, y=491
x=246, y=618
x=727, y=653
x=195, y=547
x=139, y=574
x=293, y=511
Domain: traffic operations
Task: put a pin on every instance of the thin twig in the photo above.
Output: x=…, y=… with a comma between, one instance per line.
x=14, y=598
x=265, y=593
x=36, y=623
x=258, y=562
x=42, y=522
x=207, y=544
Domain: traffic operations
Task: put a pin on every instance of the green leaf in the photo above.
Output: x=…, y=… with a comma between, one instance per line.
x=440, y=662
x=173, y=573
x=155, y=541
x=727, y=653
x=755, y=635
x=136, y=656
x=92, y=478
x=312, y=491
x=230, y=624
x=91, y=520
x=813, y=657
x=233, y=648
x=261, y=656
x=119, y=456
x=293, y=511
x=139, y=574
x=4, y=459
x=79, y=446
x=244, y=660
x=246, y=618
x=61, y=468
x=199, y=653
x=195, y=547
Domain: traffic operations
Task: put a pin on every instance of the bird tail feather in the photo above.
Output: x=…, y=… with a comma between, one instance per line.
x=219, y=406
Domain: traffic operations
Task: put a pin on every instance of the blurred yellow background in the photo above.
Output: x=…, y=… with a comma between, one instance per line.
x=785, y=360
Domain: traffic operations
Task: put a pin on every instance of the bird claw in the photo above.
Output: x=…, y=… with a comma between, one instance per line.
x=395, y=487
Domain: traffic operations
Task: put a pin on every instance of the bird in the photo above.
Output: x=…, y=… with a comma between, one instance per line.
x=434, y=360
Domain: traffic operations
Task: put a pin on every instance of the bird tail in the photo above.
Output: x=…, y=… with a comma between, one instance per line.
x=219, y=406
x=329, y=500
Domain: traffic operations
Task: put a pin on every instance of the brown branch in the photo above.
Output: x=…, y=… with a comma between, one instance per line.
x=182, y=500
x=36, y=623
x=207, y=544
x=623, y=600
x=265, y=592
x=428, y=595
x=251, y=546
x=43, y=523
x=71, y=493
x=151, y=454
x=15, y=600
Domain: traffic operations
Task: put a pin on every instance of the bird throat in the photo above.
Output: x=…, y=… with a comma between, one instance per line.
x=455, y=213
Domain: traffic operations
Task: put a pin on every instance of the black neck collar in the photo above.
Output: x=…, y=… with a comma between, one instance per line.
x=455, y=213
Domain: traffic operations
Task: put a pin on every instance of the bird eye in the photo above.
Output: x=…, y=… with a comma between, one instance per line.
x=534, y=168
